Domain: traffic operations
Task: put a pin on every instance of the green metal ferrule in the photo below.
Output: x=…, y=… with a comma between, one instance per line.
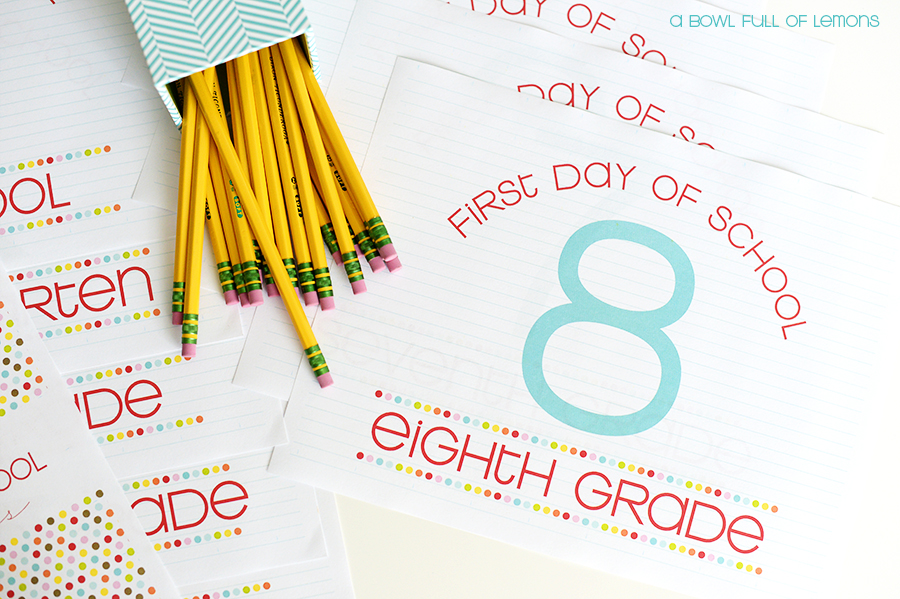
x=189, y=328
x=323, y=282
x=226, y=277
x=351, y=266
x=250, y=272
x=291, y=268
x=177, y=296
x=316, y=360
x=378, y=232
x=330, y=238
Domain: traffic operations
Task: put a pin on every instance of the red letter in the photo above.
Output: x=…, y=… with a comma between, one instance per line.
x=486, y=460
x=604, y=167
x=58, y=288
x=587, y=103
x=647, y=114
x=677, y=526
x=539, y=88
x=490, y=203
x=731, y=230
x=110, y=287
x=50, y=192
x=39, y=305
x=548, y=477
x=121, y=275
x=129, y=400
x=175, y=525
x=503, y=452
x=512, y=190
x=777, y=311
x=751, y=535
x=458, y=227
x=631, y=502
x=598, y=23
x=453, y=451
x=636, y=114
x=162, y=514
x=568, y=86
x=39, y=204
x=87, y=407
x=522, y=185
x=637, y=50
x=684, y=191
x=36, y=467
x=556, y=177
x=404, y=435
x=674, y=193
x=601, y=493
x=688, y=534
x=724, y=219
x=213, y=502
x=755, y=253
x=624, y=174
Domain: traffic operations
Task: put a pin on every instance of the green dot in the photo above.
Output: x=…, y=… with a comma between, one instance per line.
x=30, y=225
x=206, y=471
x=621, y=464
x=87, y=152
x=688, y=484
x=137, y=316
x=554, y=445
x=536, y=507
x=97, y=211
x=672, y=546
x=417, y=405
x=21, y=166
x=136, y=485
x=110, y=438
x=755, y=503
x=178, y=423
x=168, y=361
x=399, y=467
x=126, y=255
x=485, y=425
x=739, y=565
x=68, y=330
x=58, y=268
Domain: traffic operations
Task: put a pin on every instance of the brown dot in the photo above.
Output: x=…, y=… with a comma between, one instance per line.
x=48, y=547
x=95, y=546
x=127, y=590
x=57, y=593
x=6, y=361
x=140, y=571
x=99, y=493
x=50, y=521
x=17, y=367
x=34, y=580
x=97, y=519
x=14, y=392
x=106, y=565
x=86, y=513
x=19, y=342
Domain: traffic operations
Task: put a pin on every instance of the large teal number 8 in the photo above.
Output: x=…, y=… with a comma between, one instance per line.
x=646, y=325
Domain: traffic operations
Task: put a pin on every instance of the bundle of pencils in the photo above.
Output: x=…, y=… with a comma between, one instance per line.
x=264, y=164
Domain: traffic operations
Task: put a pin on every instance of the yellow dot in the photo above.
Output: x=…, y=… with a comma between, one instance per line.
x=681, y=549
x=120, y=435
x=546, y=509
x=563, y=448
x=96, y=150
x=190, y=421
x=107, y=209
x=765, y=506
x=8, y=336
x=614, y=529
x=109, y=373
x=104, y=592
x=157, y=547
x=177, y=359
x=25, y=399
x=146, y=483
x=495, y=428
x=409, y=470
x=78, y=327
x=427, y=407
x=59, y=553
x=62, y=514
x=256, y=587
x=83, y=553
x=227, y=533
x=16, y=541
x=68, y=267
x=57, y=579
x=215, y=469
x=40, y=223
x=30, y=163
x=93, y=571
x=478, y=490
x=749, y=568
x=130, y=565
x=631, y=467
x=106, y=552
x=146, y=313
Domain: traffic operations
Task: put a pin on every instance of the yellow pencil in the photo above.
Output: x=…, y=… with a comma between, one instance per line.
x=301, y=264
x=311, y=130
x=346, y=166
x=188, y=131
x=360, y=234
x=301, y=173
x=271, y=167
x=226, y=215
x=267, y=243
x=199, y=176
x=217, y=240
x=250, y=266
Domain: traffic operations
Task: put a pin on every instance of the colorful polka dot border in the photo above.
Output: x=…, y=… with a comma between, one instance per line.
x=196, y=540
x=96, y=324
x=74, y=552
x=583, y=454
x=59, y=219
x=175, y=477
x=74, y=155
x=149, y=429
x=78, y=264
x=537, y=508
x=235, y=592
x=18, y=382
x=122, y=370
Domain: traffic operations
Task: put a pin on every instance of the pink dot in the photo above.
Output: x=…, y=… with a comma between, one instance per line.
x=216, y=595
x=710, y=557
x=437, y=478
x=84, y=539
x=369, y=458
x=2, y=231
x=187, y=541
x=37, y=391
x=456, y=416
x=175, y=477
x=47, y=560
x=71, y=560
x=643, y=538
x=49, y=534
x=149, y=429
x=13, y=554
x=119, y=545
x=58, y=158
x=29, y=274
x=75, y=507
x=726, y=495
x=593, y=456
x=507, y=498
x=70, y=381
x=46, y=585
x=387, y=396
x=107, y=322
x=524, y=436
x=117, y=584
x=3, y=386
x=659, y=475
x=68, y=217
x=41, y=335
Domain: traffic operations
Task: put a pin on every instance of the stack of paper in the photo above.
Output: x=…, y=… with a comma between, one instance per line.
x=644, y=295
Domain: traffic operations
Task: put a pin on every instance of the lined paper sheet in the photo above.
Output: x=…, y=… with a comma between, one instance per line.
x=323, y=577
x=608, y=83
x=329, y=19
x=165, y=410
x=103, y=308
x=774, y=63
x=225, y=518
x=668, y=373
x=63, y=518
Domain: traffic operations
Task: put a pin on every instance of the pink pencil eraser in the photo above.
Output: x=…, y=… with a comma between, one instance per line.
x=310, y=298
x=376, y=264
x=394, y=264
x=272, y=289
x=387, y=252
x=358, y=287
x=325, y=380
x=231, y=297
x=188, y=350
x=177, y=317
x=327, y=303
x=256, y=297
x=337, y=257
x=245, y=301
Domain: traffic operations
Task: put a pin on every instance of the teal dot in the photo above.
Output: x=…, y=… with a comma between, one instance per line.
x=5, y=374
x=379, y=462
x=746, y=500
x=669, y=479
x=543, y=442
x=397, y=400
x=116, y=256
x=517, y=501
x=679, y=482
x=13, y=406
x=85, y=526
x=106, y=258
x=117, y=319
x=407, y=403
x=159, y=427
x=21, y=227
x=77, y=154
x=737, y=498
x=526, y=505
x=730, y=563
x=653, y=541
x=25, y=535
x=595, y=524
x=80, y=379
x=126, y=487
x=207, y=537
x=585, y=521
x=87, y=213
x=457, y=484
x=100, y=440
x=59, y=331
x=226, y=594
x=117, y=571
x=77, y=216
x=389, y=464
x=196, y=473
x=140, y=584
x=11, y=230
x=69, y=156
x=475, y=422
x=187, y=475
x=94, y=558
x=127, y=317
x=197, y=539
x=169, y=425
x=2, y=169
x=602, y=459
x=465, y=420
x=448, y=482
x=15, y=380
x=148, y=365
x=534, y=439
x=721, y=560
x=159, y=362
x=39, y=272
x=89, y=377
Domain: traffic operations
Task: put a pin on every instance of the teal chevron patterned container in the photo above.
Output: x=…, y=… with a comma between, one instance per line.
x=180, y=37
